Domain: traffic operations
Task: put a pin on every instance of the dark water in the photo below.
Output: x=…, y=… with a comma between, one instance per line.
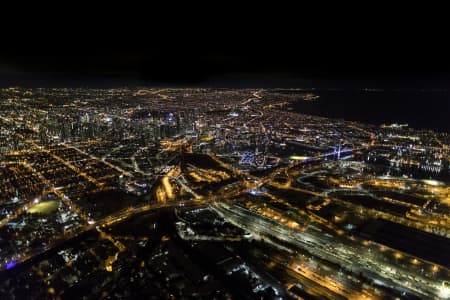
x=421, y=109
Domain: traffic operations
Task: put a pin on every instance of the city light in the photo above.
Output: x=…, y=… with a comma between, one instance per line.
x=180, y=192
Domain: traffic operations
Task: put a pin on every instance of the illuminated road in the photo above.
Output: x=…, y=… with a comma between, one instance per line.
x=372, y=263
x=122, y=171
x=316, y=278
x=108, y=221
x=314, y=239
x=369, y=263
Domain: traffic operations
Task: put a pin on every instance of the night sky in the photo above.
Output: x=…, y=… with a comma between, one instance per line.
x=203, y=63
x=265, y=51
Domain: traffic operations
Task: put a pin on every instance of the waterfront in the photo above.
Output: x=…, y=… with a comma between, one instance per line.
x=420, y=108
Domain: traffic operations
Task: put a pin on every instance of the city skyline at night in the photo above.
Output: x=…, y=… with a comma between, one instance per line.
x=281, y=160
x=216, y=193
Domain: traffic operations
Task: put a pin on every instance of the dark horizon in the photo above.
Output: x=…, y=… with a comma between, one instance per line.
x=194, y=62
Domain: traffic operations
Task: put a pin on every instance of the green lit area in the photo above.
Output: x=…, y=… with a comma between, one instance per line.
x=44, y=207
